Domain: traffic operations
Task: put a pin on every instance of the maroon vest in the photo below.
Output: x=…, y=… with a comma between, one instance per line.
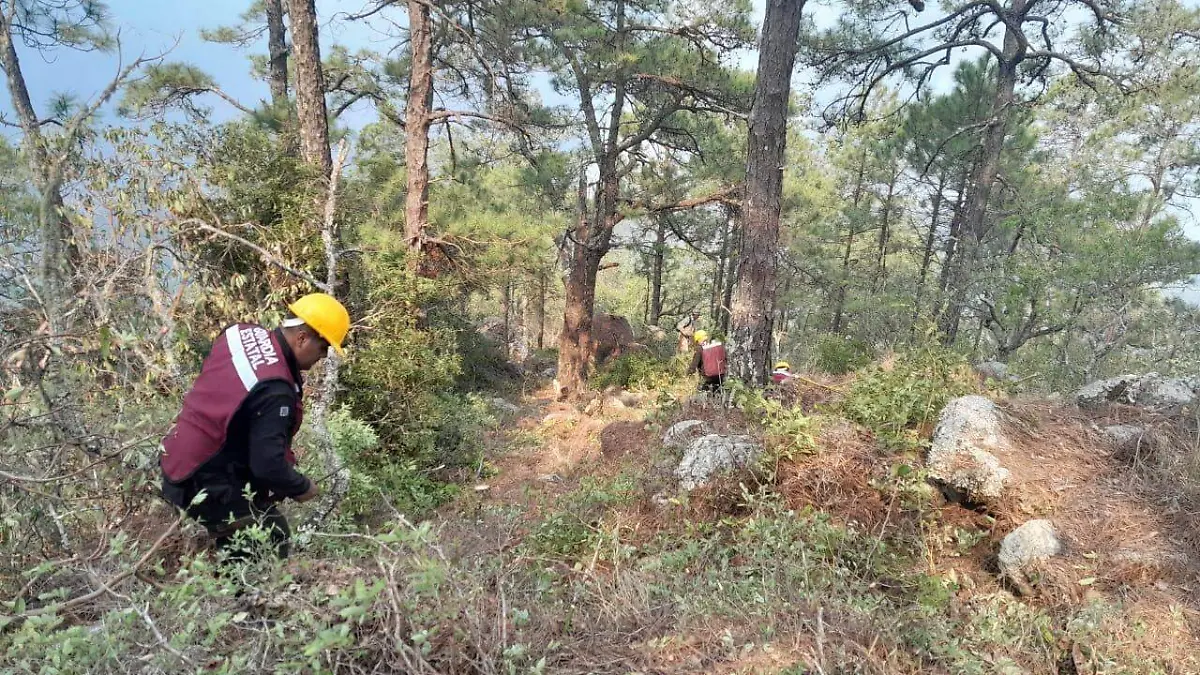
x=712, y=359
x=241, y=358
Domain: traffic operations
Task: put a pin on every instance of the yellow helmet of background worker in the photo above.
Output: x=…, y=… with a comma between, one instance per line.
x=783, y=365
x=700, y=336
x=324, y=314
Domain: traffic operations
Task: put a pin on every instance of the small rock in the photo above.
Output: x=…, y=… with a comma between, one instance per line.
x=993, y=370
x=683, y=433
x=711, y=454
x=550, y=478
x=1125, y=437
x=505, y=406
x=550, y=373
x=1032, y=542
x=615, y=402
x=960, y=456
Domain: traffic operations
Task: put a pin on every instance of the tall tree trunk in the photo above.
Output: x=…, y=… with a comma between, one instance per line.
x=885, y=234
x=843, y=288
x=974, y=223
x=656, y=270
x=839, y=306
x=579, y=299
x=718, y=288
x=278, y=60
x=417, y=122
x=59, y=251
x=754, y=299
x=540, y=311
x=927, y=255
x=953, y=244
x=310, y=87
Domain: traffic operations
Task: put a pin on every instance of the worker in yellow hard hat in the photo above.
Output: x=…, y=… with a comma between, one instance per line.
x=233, y=438
x=782, y=372
x=709, y=361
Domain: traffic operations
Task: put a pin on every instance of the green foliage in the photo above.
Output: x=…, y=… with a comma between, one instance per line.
x=580, y=528
x=399, y=383
x=638, y=370
x=894, y=398
x=837, y=354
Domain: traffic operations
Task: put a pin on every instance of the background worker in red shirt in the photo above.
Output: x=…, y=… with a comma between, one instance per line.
x=709, y=361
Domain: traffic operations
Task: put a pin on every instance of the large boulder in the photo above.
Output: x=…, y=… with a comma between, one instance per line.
x=960, y=457
x=708, y=455
x=611, y=336
x=1151, y=391
x=1033, y=542
x=681, y=434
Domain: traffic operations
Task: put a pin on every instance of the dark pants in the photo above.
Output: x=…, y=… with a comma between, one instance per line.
x=224, y=515
x=269, y=518
x=712, y=384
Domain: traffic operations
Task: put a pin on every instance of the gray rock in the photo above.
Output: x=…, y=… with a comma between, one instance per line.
x=1032, y=542
x=708, y=455
x=681, y=434
x=504, y=406
x=1150, y=391
x=550, y=372
x=961, y=456
x=1164, y=394
x=994, y=370
x=1125, y=437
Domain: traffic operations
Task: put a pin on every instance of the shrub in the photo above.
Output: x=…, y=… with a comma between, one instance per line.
x=838, y=355
x=893, y=399
x=639, y=370
x=399, y=384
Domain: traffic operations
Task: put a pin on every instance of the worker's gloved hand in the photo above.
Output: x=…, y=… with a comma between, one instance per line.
x=312, y=491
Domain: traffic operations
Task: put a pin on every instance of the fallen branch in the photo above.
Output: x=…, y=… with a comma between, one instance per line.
x=105, y=586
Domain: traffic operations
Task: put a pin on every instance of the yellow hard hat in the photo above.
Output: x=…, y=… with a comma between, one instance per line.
x=324, y=314
x=700, y=336
x=783, y=365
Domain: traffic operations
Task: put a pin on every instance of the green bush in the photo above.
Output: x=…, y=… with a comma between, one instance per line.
x=837, y=355
x=894, y=399
x=638, y=370
x=400, y=382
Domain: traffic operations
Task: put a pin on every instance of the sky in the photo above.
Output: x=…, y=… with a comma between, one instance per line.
x=149, y=27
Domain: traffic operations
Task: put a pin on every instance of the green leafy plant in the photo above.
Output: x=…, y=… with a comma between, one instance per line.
x=836, y=354
x=896, y=399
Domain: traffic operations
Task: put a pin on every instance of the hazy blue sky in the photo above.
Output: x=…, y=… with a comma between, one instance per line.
x=151, y=27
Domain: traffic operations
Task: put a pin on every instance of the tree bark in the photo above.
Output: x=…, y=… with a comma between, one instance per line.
x=885, y=234
x=59, y=251
x=974, y=222
x=310, y=87
x=927, y=255
x=754, y=299
x=417, y=122
x=278, y=59
x=843, y=288
x=656, y=270
x=540, y=311
x=579, y=299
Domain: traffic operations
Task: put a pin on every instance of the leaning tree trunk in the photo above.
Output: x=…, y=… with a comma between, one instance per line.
x=310, y=87
x=417, y=117
x=754, y=300
x=975, y=202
